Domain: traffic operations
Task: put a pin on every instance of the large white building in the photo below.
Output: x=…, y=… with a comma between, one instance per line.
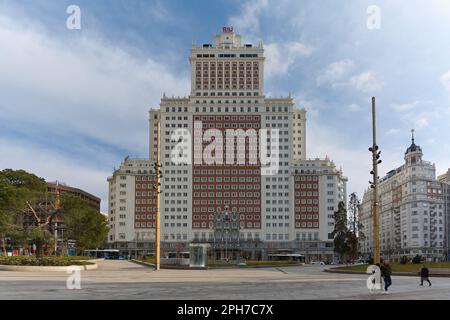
x=412, y=211
x=444, y=179
x=289, y=207
x=132, y=205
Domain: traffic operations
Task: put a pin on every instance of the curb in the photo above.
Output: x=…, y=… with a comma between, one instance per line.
x=256, y=267
x=48, y=268
x=407, y=274
x=151, y=265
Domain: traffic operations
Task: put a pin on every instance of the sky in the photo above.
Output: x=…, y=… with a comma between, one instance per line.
x=74, y=103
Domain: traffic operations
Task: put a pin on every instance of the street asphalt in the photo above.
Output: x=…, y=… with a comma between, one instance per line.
x=127, y=280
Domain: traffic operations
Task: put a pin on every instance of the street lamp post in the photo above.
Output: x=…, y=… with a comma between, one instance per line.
x=226, y=245
x=376, y=204
x=157, y=167
x=135, y=244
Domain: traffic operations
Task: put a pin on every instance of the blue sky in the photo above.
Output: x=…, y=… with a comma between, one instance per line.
x=73, y=103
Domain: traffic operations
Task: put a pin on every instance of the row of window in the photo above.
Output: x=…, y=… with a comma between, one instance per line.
x=206, y=80
x=227, y=179
x=228, y=64
x=233, y=187
x=227, y=86
x=145, y=216
x=225, y=201
x=242, y=217
x=213, y=71
x=247, y=224
x=306, y=216
x=145, y=178
x=226, y=94
x=146, y=186
x=227, y=194
x=306, y=186
x=305, y=224
x=226, y=171
x=145, y=193
x=279, y=225
x=229, y=125
x=144, y=224
x=307, y=209
x=146, y=209
x=240, y=209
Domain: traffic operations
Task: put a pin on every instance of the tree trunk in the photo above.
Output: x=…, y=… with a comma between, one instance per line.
x=39, y=248
x=4, y=246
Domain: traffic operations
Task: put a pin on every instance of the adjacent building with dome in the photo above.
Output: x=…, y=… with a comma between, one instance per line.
x=412, y=211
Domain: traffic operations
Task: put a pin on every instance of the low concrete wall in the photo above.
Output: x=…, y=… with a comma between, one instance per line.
x=175, y=261
x=143, y=263
x=48, y=268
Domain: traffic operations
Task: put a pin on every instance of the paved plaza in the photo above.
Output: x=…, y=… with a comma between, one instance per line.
x=127, y=280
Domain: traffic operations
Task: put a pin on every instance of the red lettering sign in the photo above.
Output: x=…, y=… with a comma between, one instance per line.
x=227, y=29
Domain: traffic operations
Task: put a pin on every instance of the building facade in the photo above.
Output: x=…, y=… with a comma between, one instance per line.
x=228, y=145
x=412, y=211
x=93, y=201
x=444, y=179
x=132, y=204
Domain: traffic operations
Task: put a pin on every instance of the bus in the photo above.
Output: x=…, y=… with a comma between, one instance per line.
x=179, y=255
x=112, y=254
x=287, y=256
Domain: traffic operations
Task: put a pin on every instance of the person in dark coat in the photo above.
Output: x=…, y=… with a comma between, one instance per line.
x=424, y=273
x=386, y=272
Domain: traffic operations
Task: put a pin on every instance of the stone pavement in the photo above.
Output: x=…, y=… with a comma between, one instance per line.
x=127, y=280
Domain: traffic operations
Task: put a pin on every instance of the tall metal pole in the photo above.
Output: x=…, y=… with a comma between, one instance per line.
x=376, y=204
x=56, y=237
x=158, y=199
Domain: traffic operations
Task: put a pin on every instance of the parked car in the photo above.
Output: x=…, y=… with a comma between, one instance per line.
x=318, y=263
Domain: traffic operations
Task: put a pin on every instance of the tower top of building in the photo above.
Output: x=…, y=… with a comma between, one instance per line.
x=413, y=147
x=228, y=39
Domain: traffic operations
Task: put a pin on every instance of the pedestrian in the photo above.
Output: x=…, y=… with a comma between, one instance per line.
x=424, y=273
x=386, y=272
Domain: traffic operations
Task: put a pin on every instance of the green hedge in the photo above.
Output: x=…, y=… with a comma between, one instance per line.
x=43, y=261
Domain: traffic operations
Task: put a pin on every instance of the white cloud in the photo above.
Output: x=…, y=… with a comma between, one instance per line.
x=335, y=72
x=445, y=80
x=82, y=85
x=340, y=74
x=281, y=56
x=392, y=132
x=405, y=106
x=354, y=107
x=248, y=20
x=422, y=120
x=366, y=82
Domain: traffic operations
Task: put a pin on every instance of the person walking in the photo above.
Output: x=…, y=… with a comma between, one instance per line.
x=386, y=272
x=424, y=273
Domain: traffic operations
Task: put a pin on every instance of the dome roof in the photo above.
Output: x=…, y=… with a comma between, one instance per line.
x=413, y=147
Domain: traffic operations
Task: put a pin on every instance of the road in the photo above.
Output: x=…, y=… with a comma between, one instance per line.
x=127, y=280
